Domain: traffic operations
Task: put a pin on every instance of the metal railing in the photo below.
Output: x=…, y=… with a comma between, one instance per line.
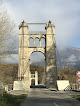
x=75, y=87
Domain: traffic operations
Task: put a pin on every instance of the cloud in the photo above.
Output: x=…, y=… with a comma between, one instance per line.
x=72, y=58
x=12, y=59
x=65, y=14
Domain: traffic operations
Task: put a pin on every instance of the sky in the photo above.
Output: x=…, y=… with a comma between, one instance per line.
x=65, y=14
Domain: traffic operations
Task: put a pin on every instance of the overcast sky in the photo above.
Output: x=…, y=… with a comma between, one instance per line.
x=65, y=14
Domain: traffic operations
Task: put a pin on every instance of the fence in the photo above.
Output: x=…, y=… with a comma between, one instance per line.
x=75, y=87
x=8, y=87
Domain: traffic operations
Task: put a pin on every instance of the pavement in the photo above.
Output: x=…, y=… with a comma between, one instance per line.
x=45, y=97
x=19, y=92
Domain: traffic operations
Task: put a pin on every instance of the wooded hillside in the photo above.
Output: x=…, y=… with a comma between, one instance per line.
x=67, y=74
x=9, y=73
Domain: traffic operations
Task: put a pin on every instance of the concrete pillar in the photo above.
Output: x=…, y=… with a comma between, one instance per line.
x=30, y=81
x=34, y=42
x=36, y=78
x=40, y=43
x=73, y=87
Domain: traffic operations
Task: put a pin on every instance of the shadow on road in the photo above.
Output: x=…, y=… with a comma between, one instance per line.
x=37, y=86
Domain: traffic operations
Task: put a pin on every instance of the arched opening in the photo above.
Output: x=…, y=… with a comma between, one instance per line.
x=31, y=42
x=36, y=42
x=42, y=42
x=32, y=82
x=37, y=63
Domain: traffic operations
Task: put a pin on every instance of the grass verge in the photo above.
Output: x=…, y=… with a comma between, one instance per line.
x=11, y=100
x=76, y=97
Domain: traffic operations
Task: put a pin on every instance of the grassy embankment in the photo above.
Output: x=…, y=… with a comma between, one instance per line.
x=76, y=97
x=11, y=100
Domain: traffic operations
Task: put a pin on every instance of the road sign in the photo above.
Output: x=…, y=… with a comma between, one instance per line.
x=78, y=74
x=78, y=81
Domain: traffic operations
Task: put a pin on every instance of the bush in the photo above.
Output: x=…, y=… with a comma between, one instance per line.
x=11, y=100
x=2, y=91
x=76, y=97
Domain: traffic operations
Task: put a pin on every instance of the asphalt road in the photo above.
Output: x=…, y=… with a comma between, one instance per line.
x=45, y=97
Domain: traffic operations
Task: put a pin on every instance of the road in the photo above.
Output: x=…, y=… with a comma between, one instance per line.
x=45, y=97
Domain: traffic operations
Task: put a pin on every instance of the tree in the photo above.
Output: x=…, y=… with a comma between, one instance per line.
x=7, y=36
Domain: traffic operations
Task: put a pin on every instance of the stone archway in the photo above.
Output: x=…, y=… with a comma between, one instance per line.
x=32, y=82
x=49, y=51
x=37, y=63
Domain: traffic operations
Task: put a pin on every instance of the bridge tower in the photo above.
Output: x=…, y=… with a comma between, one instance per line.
x=49, y=52
x=51, y=67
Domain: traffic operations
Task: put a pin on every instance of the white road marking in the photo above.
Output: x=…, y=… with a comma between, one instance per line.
x=55, y=104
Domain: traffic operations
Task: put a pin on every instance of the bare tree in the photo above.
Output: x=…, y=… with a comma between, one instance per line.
x=7, y=35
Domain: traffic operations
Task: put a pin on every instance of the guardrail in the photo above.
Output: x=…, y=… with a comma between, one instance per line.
x=8, y=87
x=75, y=87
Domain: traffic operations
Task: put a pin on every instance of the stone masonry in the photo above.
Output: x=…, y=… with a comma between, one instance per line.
x=49, y=52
